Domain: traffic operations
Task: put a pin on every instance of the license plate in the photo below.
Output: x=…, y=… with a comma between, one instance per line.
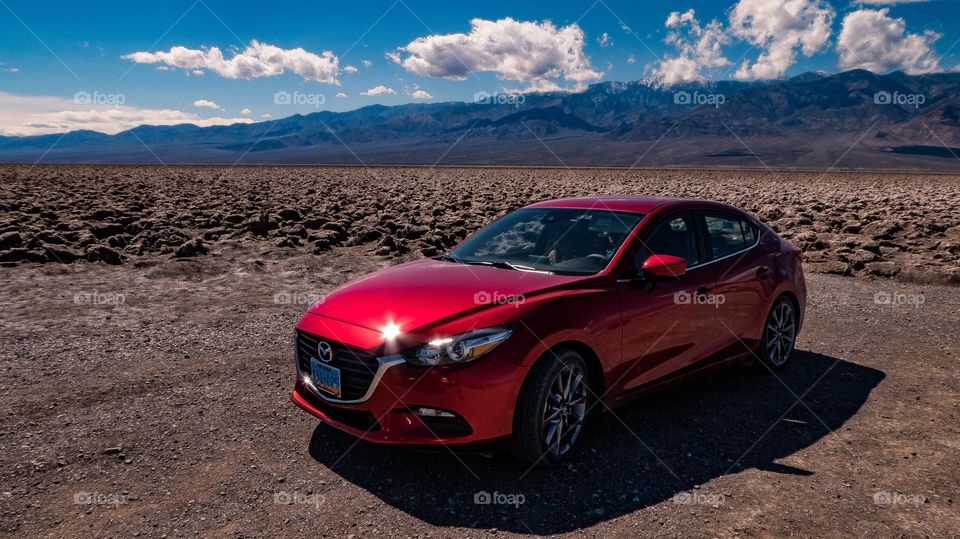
x=325, y=377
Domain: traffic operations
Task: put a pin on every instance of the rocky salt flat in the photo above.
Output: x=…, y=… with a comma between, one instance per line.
x=905, y=226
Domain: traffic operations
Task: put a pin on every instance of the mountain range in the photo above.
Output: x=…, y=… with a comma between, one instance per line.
x=853, y=119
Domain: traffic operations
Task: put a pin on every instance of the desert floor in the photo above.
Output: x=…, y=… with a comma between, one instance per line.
x=151, y=396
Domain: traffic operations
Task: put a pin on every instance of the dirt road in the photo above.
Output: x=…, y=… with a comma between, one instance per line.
x=151, y=399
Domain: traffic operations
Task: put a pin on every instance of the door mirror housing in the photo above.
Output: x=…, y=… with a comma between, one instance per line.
x=664, y=267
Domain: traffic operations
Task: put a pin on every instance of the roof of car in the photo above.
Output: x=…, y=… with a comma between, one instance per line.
x=635, y=204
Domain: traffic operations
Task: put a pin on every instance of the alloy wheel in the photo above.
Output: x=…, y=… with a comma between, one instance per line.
x=781, y=332
x=564, y=410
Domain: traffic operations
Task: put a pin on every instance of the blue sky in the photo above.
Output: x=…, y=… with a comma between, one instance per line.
x=108, y=65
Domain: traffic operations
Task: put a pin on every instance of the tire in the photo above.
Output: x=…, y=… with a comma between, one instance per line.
x=551, y=409
x=779, y=334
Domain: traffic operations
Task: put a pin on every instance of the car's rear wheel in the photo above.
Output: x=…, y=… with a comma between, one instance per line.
x=551, y=409
x=779, y=334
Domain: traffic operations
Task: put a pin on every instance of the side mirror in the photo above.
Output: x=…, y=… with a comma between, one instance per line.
x=664, y=266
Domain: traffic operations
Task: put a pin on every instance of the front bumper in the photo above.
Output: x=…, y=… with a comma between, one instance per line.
x=481, y=395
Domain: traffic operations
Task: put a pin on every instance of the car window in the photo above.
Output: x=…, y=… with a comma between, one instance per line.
x=749, y=233
x=676, y=236
x=563, y=240
x=725, y=234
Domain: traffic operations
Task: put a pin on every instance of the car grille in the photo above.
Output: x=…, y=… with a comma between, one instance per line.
x=357, y=368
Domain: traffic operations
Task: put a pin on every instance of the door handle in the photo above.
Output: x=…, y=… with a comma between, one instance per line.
x=762, y=272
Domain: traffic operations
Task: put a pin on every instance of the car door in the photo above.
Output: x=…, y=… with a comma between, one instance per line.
x=664, y=323
x=742, y=274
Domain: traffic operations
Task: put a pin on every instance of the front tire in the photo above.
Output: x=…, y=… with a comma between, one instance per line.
x=779, y=334
x=551, y=409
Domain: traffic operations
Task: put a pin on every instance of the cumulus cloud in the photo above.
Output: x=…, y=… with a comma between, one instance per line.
x=632, y=59
x=341, y=95
x=873, y=40
x=421, y=94
x=379, y=90
x=207, y=104
x=266, y=116
x=514, y=50
x=700, y=48
x=350, y=69
x=246, y=112
x=366, y=63
x=779, y=28
x=256, y=60
x=604, y=40
x=41, y=115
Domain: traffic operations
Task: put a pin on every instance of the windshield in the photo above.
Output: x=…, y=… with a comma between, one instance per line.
x=557, y=240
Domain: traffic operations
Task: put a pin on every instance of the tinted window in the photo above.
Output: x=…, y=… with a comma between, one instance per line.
x=563, y=240
x=749, y=233
x=726, y=235
x=676, y=236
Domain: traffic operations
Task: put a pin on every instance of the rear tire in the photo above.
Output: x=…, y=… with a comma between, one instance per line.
x=551, y=409
x=779, y=334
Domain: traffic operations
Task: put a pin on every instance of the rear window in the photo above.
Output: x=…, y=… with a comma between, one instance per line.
x=728, y=234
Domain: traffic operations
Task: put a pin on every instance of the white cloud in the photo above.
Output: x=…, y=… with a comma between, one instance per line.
x=366, y=63
x=198, y=72
x=206, y=103
x=632, y=59
x=514, y=50
x=379, y=90
x=266, y=115
x=873, y=40
x=246, y=112
x=604, y=40
x=341, y=95
x=700, y=48
x=421, y=94
x=350, y=69
x=257, y=60
x=40, y=115
x=780, y=27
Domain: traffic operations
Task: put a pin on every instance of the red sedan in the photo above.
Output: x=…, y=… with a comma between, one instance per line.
x=551, y=312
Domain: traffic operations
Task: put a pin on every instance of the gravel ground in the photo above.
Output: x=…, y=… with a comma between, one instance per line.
x=151, y=397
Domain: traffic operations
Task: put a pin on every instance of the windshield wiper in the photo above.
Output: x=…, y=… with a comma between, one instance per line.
x=507, y=265
x=501, y=264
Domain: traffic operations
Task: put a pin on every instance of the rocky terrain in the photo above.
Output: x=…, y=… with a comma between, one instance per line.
x=905, y=226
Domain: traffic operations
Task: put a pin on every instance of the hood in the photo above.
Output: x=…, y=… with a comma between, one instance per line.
x=425, y=293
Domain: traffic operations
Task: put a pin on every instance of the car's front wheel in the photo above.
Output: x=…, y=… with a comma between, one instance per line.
x=551, y=409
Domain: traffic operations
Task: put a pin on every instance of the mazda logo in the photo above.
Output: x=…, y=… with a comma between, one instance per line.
x=325, y=351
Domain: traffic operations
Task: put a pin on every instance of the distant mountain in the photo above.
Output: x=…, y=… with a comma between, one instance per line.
x=854, y=119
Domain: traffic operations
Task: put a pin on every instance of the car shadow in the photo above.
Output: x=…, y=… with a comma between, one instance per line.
x=657, y=448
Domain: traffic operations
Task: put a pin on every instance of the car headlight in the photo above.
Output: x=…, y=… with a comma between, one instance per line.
x=458, y=348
